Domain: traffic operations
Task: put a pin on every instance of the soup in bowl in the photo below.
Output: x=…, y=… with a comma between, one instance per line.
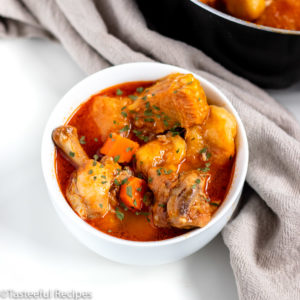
x=144, y=162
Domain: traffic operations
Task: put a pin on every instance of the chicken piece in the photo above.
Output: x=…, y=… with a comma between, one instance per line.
x=108, y=116
x=161, y=184
x=245, y=9
x=176, y=100
x=219, y=134
x=88, y=190
x=188, y=204
x=165, y=150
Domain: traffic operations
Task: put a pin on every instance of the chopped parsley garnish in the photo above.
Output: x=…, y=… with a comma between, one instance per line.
x=148, y=113
x=203, y=150
x=119, y=92
x=103, y=176
x=140, y=89
x=116, y=182
x=177, y=151
x=119, y=215
x=145, y=198
x=133, y=97
x=144, y=98
x=150, y=179
x=162, y=205
x=129, y=191
x=150, y=120
x=82, y=140
x=90, y=171
x=96, y=140
x=198, y=181
x=190, y=82
x=96, y=157
x=124, y=181
x=129, y=149
x=139, y=189
x=158, y=171
x=194, y=186
x=125, y=128
x=101, y=166
x=134, y=203
x=72, y=154
x=101, y=205
x=94, y=163
x=116, y=158
x=167, y=172
x=103, y=182
x=175, y=92
x=124, y=114
x=214, y=204
x=109, y=230
x=95, y=177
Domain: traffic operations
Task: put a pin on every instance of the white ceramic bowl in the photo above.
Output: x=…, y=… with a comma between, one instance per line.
x=130, y=252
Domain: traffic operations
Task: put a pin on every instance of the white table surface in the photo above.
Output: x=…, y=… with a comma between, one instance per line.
x=36, y=250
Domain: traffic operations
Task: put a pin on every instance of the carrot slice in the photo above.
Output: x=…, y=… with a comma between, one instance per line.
x=120, y=148
x=132, y=193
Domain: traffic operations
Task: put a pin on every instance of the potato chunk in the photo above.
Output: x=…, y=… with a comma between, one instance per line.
x=107, y=114
x=165, y=150
x=219, y=132
x=245, y=9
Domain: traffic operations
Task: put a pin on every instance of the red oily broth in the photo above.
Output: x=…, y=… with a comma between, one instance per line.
x=132, y=227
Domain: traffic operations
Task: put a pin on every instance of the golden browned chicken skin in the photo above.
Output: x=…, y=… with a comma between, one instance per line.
x=89, y=190
x=177, y=100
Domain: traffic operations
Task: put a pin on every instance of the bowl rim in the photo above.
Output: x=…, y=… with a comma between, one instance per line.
x=244, y=23
x=60, y=203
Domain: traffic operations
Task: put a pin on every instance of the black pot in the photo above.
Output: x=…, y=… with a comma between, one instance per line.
x=266, y=56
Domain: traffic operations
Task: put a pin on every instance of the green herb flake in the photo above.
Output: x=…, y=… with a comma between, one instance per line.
x=103, y=182
x=167, y=172
x=198, y=181
x=101, y=166
x=120, y=215
x=94, y=163
x=162, y=205
x=129, y=149
x=214, y=204
x=95, y=177
x=139, y=189
x=114, y=121
x=103, y=176
x=109, y=230
x=90, y=171
x=72, y=154
x=156, y=107
x=175, y=92
x=124, y=181
x=203, y=150
x=129, y=191
x=95, y=157
x=150, y=179
x=101, y=205
x=193, y=186
x=82, y=140
x=140, y=89
x=116, y=158
x=150, y=120
x=133, y=97
x=177, y=151
x=124, y=114
x=144, y=98
x=190, y=82
x=116, y=182
x=134, y=203
x=124, y=129
x=145, y=198
x=158, y=171
x=119, y=92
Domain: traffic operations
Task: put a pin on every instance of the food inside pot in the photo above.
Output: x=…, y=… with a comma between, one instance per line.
x=283, y=14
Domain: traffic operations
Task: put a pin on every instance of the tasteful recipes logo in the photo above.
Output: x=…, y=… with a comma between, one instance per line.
x=45, y=294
